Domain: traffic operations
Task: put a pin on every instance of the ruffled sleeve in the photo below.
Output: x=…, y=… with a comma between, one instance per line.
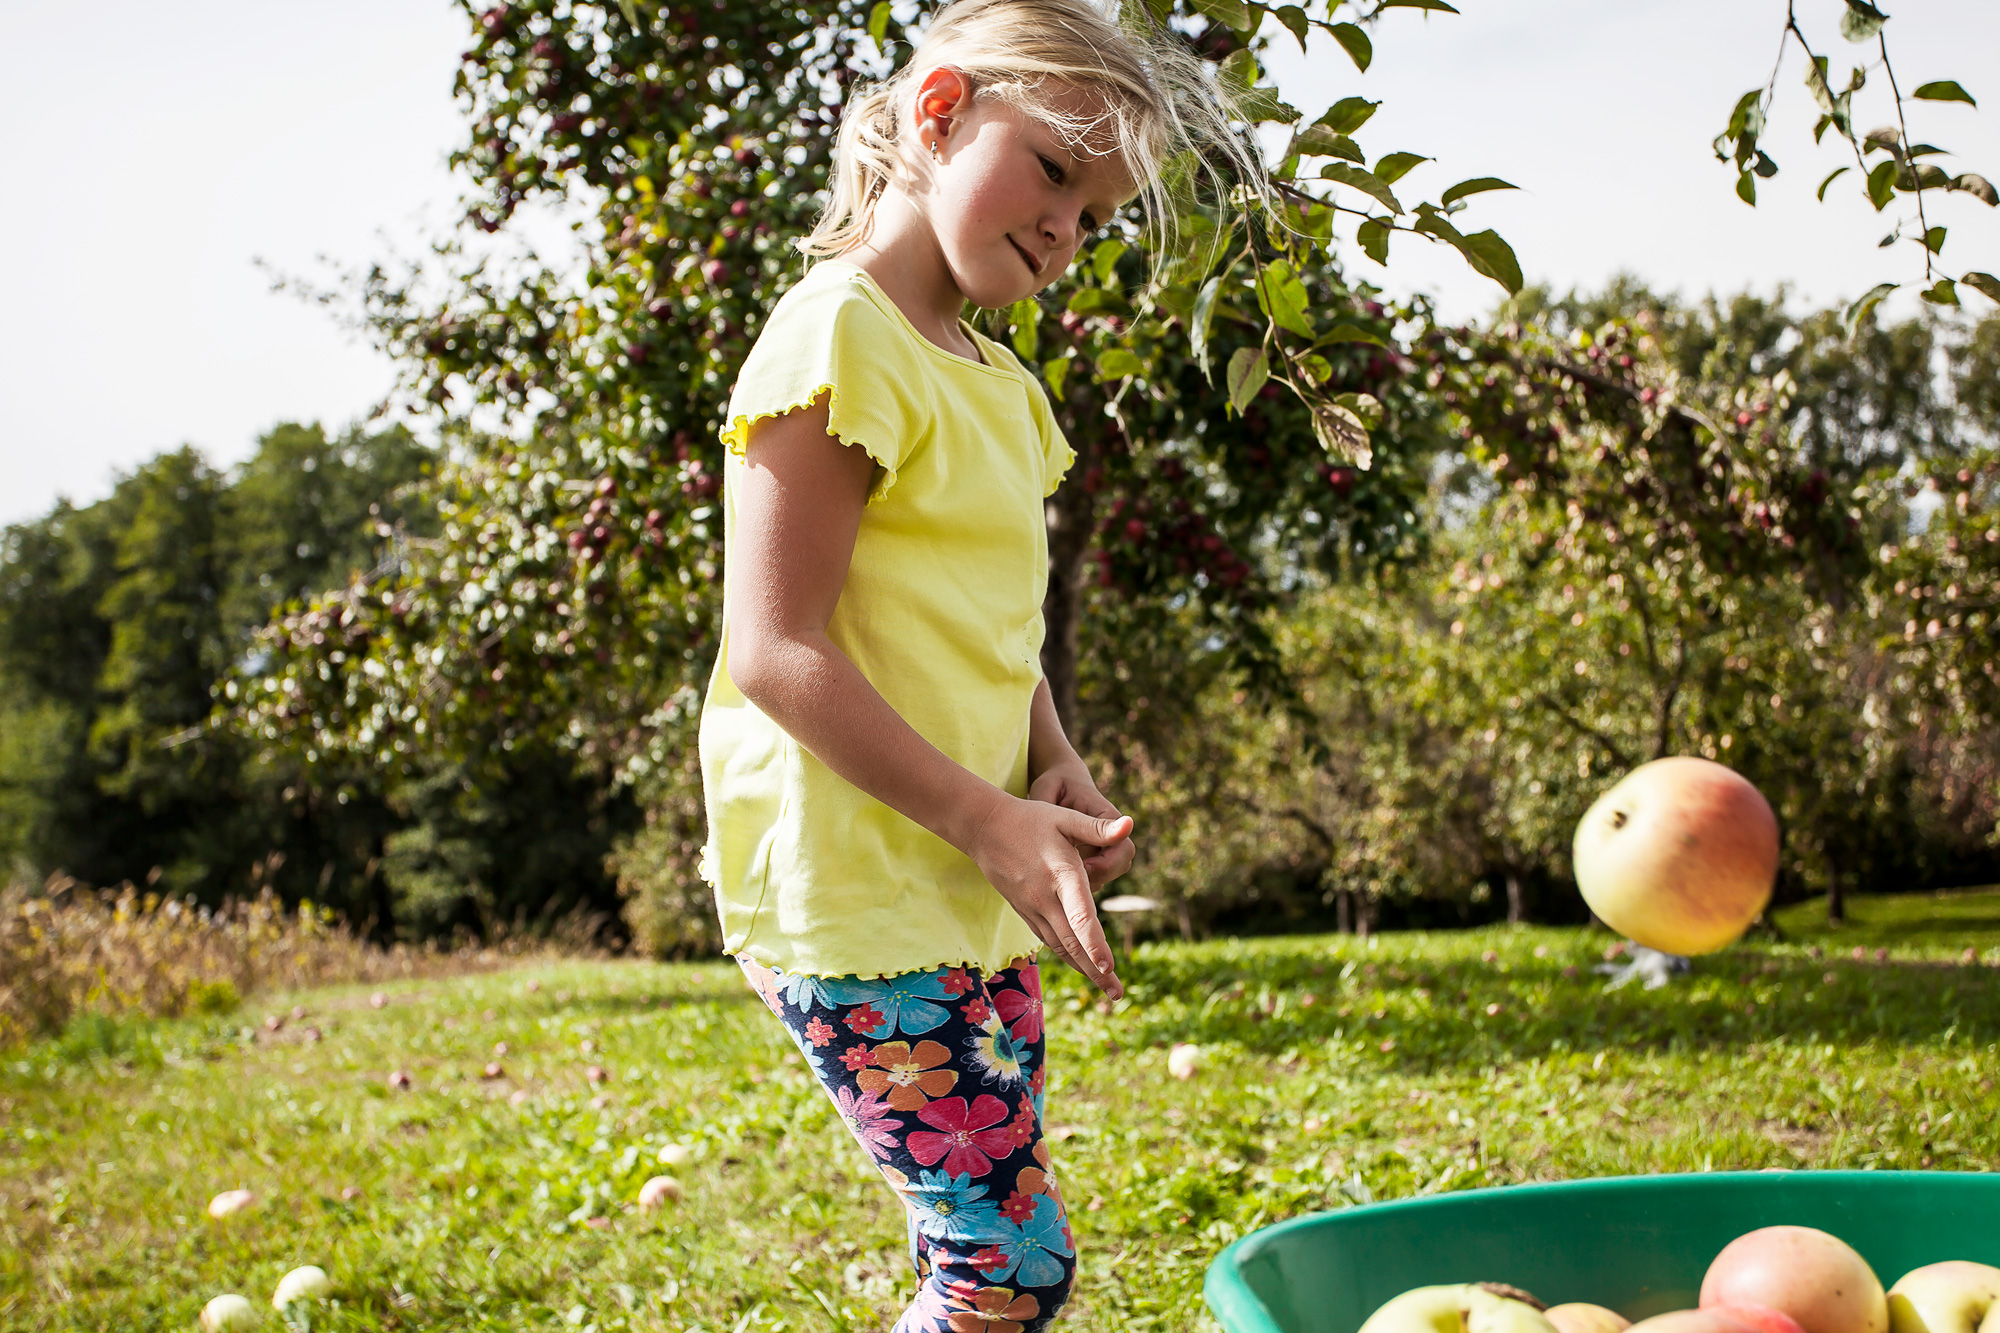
x=1057, y=456
x=827, y=337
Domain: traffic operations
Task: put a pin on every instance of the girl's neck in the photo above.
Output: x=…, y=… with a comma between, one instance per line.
x=902, y=255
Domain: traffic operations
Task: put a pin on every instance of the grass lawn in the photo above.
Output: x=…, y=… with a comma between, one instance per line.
x=1337, y=1073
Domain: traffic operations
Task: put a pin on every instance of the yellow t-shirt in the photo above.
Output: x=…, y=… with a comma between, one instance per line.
x=941, y=611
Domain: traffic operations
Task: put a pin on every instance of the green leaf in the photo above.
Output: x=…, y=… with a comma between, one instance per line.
x=1104, y=259
x=1883, y=137
x=1943, y=292
x=1882, y=184
x=1347, y=333
x=1027, y=317
x=1365, y=181
x=1477, y=185
x=1258, y=105
x=1117, y=363
x=1869, y=300
x=1832, y=176
x=1239, y=69
x=1491, y=255
x=1943, y=90
x=1204, y=311
x=1746, y=188
x=1488, y=254
x=1373, y=238
x=1983, y=282
x=1861, y=21
x=1316, y=368
x=1765, y=166
x=1295, y=22
x=1822, y=91
x=1355, y=42
x=1248, y=369
x=1282, y=298
x=1394, y=166
x=630, y=10
x=1234, y=14
x=1348, y=114
x=1439, y=5
x=1319, y=141
x=1934, y=239
x=1055, y=371
x=1975, y=185
x=878, y=21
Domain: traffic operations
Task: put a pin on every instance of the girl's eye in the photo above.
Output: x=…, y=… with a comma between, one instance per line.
x=1089, y=222
x=1052, y=171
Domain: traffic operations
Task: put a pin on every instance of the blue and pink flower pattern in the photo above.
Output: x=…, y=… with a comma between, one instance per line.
x=940, y=1076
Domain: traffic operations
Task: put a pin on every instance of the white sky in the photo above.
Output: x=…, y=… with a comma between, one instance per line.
x=158, y=150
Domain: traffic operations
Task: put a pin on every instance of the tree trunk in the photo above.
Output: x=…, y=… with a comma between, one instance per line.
x=1836, y=900
x=1068, y=513
x=1516, y=913
x=1344, y=910
x=1361, y=921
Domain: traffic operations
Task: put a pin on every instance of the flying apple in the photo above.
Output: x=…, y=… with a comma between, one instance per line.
x=1952, y=1297
x=1680, y=855
x=1583, y=1317
x=1815, y=1278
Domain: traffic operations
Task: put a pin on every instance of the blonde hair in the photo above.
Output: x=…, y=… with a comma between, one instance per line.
x=1168, y=115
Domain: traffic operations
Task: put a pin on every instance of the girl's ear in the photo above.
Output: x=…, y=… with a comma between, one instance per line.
x=944, y=95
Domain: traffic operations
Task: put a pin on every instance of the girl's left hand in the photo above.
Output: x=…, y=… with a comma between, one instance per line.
x=1072, y=788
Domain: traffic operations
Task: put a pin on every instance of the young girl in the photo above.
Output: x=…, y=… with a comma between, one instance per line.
x=896, y=819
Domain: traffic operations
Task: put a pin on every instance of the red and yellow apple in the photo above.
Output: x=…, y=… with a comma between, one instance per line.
x=1719, y=1319
x=1812, y=1277
x=1680, y=855
x=1955, y=1296
x=1583, y=1317
x=1460, y=1307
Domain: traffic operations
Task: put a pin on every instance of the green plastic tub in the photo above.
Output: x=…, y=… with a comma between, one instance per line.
x=1638, y=1244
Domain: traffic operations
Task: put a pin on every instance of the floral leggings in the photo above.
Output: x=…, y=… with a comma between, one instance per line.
x=940, y=1076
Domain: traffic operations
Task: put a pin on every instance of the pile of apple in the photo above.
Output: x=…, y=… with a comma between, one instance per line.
x=1774, y=1280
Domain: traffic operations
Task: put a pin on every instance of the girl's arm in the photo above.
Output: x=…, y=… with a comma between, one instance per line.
x=798, y=506
x=1057, y=775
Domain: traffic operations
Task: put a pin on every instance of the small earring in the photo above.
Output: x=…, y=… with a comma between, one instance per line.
x=935, y=156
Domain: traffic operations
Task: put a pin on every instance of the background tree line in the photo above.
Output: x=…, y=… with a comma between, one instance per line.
x=1594, y=530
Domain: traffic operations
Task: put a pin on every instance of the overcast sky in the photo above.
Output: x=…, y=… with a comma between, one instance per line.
x=159, y=151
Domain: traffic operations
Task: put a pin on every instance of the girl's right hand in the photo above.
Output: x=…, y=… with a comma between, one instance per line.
x=1027, y=850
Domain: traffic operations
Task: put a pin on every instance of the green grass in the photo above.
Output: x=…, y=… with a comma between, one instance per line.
x=1931, y=923
x=1419, y=1065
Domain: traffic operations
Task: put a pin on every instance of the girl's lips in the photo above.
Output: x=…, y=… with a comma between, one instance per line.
x=1026, y=258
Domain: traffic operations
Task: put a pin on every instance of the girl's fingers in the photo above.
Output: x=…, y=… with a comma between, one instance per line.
x=1097, y=832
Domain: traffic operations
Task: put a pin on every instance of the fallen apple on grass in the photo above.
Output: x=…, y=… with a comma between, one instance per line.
x=230, y=1202
x=675, y=1154
x=1806, y=1274
x=228, y=1311
x=399, y=1080
x=1680, y=855
x=659, y=1190
x=306, y=1283
x=1950, y=1297
x=1184, y=1060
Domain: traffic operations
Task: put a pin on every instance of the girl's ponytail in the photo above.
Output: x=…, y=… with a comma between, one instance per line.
x=864, y=162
